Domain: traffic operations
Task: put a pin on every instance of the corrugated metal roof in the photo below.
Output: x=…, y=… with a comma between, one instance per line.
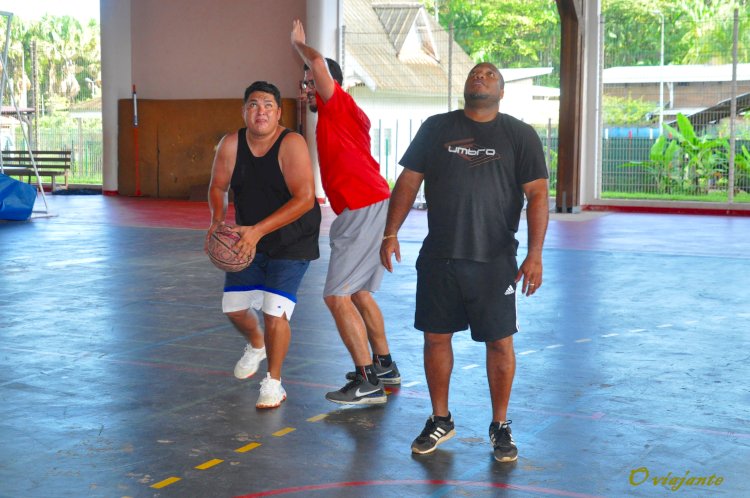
x=397, y=20
x=373, y=58
x=375, y=34
x=689, y=73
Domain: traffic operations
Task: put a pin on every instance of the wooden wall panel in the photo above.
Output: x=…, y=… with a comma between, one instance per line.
x=176, y=142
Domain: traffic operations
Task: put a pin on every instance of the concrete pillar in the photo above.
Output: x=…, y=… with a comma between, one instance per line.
x=323, y=32
x=591, y=146
x=116, y=80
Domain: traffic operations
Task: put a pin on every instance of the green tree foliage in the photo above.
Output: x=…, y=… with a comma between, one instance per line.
x=619, y=111
x=523, y=33
x=509, y=33
x=68, y=56
x=695, y=31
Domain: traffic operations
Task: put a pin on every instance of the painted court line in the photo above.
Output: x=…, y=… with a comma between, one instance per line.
x=554, y=346
x=411, y=482
x=317, y=418
x=664, y=326
x=247, y=447
x=284, y=431
x=207, y=465
x=583, y=340
x=610, y=335
x=166, y=482
x=530, y=351
x=411, y=384
x=469, y=367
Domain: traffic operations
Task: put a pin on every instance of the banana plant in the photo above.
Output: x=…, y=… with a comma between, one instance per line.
x=704, y=157
x=664, y=165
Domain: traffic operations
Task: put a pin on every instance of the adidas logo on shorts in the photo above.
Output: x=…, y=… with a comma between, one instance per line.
x=510, y=290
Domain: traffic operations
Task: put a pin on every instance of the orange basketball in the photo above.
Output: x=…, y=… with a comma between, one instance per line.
x=221, y=250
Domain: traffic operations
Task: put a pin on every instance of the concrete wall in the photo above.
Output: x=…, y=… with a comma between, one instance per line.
x=191, y=61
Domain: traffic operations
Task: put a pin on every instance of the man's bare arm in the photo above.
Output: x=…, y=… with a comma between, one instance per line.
x=324, y=83
x=402, y=199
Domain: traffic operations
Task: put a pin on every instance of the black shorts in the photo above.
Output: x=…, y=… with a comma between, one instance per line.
x=456, y=294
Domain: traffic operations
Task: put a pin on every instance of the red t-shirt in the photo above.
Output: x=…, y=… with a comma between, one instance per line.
x=350, y=175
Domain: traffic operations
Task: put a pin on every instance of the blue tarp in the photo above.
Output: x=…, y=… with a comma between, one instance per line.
x=16, y=199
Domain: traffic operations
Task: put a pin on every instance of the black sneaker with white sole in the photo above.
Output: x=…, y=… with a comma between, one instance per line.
x=389, y=375
x=435, y=432
x=505, y=449
x=359, y=392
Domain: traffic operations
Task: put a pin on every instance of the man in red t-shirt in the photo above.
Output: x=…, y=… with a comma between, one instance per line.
x=359, y=196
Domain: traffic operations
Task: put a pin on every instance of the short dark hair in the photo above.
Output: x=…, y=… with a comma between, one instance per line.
x=266, y=87
x=333, y=68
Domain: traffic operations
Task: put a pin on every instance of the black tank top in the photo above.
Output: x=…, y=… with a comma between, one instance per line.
x=259, y=190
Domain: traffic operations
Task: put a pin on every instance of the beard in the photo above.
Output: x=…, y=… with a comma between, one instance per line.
x=474, y=97
x=313, y=107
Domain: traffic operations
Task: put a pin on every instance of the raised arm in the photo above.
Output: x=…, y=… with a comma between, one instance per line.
x=324, y=82
x=402, y=199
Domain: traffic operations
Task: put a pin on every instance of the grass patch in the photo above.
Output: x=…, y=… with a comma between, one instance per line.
x=740, y=197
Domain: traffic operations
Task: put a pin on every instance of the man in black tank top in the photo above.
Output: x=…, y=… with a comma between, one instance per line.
x=278, y=219
x=477, y=166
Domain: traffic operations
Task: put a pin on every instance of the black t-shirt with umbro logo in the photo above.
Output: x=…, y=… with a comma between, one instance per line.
x=473, y=177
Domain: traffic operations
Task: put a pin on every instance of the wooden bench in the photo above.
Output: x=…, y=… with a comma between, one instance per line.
x=49, y=163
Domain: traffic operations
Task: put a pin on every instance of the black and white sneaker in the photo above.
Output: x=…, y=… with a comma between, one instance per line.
x=435, y=432
x=389, y=375
x=359, y=392
x=505, y=449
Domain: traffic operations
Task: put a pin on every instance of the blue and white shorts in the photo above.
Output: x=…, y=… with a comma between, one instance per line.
x=269, y=285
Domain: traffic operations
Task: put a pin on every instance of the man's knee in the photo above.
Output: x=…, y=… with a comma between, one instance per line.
x=273, y=323
x=362, y=299
x=437, y=340
x=336, y=302
x=502, y=347
x=236, y=316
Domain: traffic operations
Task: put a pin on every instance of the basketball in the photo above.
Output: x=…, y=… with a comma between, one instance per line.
x=221, y=250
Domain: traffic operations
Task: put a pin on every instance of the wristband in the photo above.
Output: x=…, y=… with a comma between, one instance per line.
x=389, y=236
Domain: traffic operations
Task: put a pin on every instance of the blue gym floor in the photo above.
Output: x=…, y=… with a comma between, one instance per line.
x=116, y=380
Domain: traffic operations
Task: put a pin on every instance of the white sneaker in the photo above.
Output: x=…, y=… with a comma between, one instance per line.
x=249, y=362
x=271, y=393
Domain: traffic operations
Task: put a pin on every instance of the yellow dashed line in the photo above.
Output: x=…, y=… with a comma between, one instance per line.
x=209, y=464
x=247, y=448
x=166, y=482
x=284, y=432
x=317, y=418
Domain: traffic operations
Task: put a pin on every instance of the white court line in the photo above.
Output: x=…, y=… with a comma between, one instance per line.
x=553, y=346
x=411, y=384
x=583, y=340
x=72, y=262
x=469, y=367
x=664, y=326
x=690, y=322
x=528, y=352
x=636, y=330
x=610, y=335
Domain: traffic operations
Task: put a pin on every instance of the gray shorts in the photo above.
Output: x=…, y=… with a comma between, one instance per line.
x=355, y=251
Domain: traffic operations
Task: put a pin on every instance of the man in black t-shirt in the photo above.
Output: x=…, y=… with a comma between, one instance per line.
x=477, y=166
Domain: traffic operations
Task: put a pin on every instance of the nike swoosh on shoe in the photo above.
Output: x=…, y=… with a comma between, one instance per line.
x=359, y=394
